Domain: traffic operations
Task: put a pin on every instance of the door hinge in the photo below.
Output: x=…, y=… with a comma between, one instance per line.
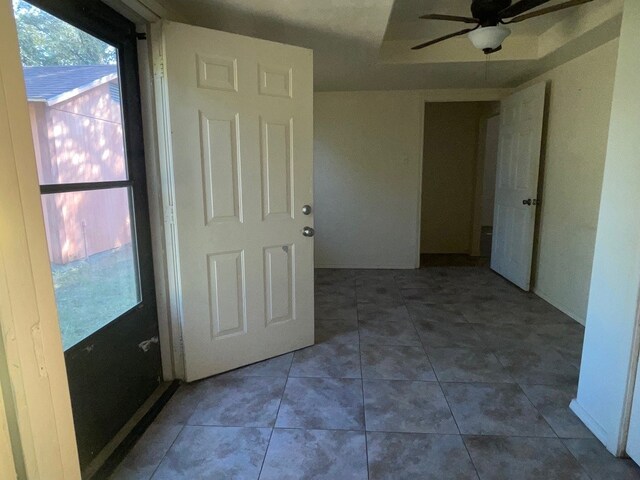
x=158, y=68
x=170, y=215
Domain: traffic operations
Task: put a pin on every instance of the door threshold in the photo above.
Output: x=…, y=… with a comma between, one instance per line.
x=105, y=463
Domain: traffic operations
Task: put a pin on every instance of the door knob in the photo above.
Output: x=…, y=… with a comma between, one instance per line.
x=528, y=201
x=306, y=209
x=308, y=232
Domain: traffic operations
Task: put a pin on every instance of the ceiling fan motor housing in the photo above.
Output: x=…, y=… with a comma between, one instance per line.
x=486, y=11
x=488, y=16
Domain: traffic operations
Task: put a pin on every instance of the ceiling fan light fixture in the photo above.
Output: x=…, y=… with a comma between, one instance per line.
x=489, y=39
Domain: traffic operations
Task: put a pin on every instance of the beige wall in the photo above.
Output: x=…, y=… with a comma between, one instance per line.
x=573, y=162
x=458, y=176
x=449, y=176
x=367, y=174
x=367, y=156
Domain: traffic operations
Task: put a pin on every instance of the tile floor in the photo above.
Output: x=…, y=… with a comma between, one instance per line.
x=440, y=373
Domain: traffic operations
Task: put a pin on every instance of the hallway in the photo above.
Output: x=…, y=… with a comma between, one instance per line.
x=439, y=373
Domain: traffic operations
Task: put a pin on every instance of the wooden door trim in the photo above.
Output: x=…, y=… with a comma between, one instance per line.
x=36, y=378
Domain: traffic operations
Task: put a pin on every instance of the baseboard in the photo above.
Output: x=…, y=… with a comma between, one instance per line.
x=590, y=422
x=367, y=267
x=582, y=321
x=114, y=452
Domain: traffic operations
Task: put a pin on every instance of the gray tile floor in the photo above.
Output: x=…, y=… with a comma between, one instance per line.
x=440, y=373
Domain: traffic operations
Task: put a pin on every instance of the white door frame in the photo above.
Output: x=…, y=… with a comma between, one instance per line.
x=478, y=194
x=147, y=15
x=633, y=388
x=159, y=168
x=162, y=203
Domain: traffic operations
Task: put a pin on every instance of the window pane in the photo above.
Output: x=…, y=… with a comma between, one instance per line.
x=93, y=258
x=73, y=91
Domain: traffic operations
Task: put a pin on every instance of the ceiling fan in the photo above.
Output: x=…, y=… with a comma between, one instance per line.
x=489, y=17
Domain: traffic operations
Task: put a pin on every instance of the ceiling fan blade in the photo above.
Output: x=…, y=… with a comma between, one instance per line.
x=446, y=37
x=451, y=18
x=544, y=11
x=520, y=7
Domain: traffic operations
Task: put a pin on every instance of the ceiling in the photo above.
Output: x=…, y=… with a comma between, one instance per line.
x=365, y=44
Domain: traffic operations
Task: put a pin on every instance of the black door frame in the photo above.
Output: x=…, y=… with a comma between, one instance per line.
x=114, y=371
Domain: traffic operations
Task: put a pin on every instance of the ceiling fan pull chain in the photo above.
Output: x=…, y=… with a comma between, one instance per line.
x=486, y=68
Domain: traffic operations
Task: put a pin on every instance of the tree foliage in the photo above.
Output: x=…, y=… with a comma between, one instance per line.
x=47, y=40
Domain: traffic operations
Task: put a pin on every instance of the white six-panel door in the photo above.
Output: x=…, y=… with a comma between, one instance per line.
x=521, y=120
x=240, y=111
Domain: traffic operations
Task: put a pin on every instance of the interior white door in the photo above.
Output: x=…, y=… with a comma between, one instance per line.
x=241, y=120
x=633, y=440
x=521, y=120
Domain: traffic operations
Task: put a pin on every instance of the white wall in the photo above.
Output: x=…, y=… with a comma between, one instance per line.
x=367, y=156
x=579, y=106
x=633, y=444
x=610, y=345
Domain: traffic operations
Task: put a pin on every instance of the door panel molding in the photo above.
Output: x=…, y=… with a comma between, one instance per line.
x=276, y=156
x=275, y=80
x=280, y=296
x=226, y=301
x=220, y=141
x=217, y=72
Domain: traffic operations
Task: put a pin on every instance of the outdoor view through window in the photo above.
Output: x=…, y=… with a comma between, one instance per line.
x=73, y=93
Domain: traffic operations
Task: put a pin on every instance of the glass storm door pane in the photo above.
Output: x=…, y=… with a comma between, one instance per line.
x=73, y=90
x=93, y=258
x=80, y=139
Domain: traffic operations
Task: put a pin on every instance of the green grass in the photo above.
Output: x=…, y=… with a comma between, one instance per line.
x=91, y=293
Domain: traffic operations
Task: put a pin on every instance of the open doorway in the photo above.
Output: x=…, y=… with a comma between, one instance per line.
x=458, y=182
